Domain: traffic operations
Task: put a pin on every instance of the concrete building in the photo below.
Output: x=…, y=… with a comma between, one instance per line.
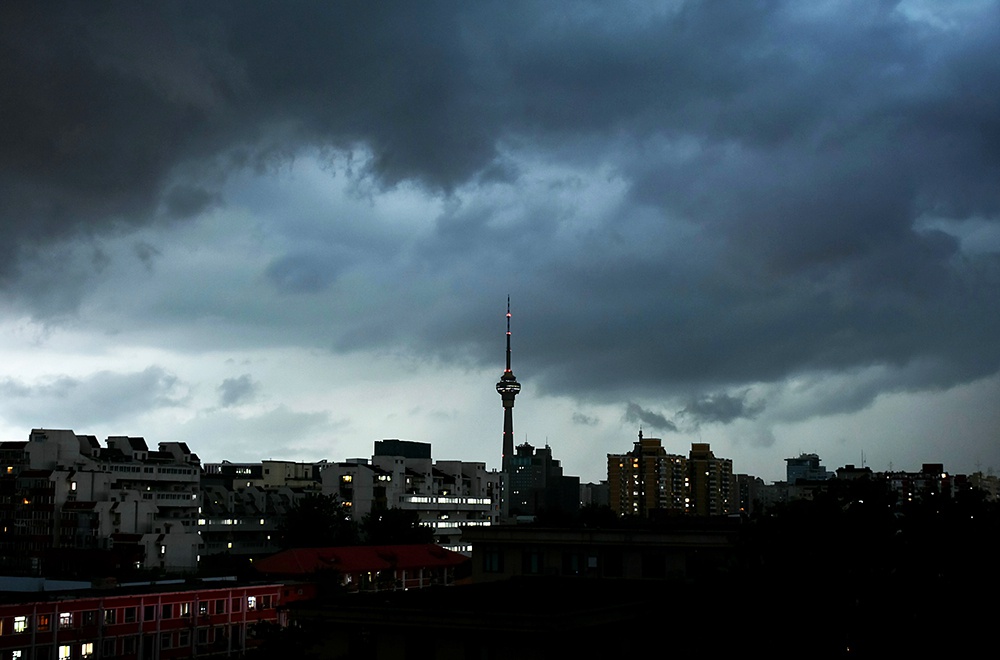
x=806, y=467
x=647, y=481
x=711, y=481
x=64, y=492
x=448, y=496
x=538, y=485
x=244, y=503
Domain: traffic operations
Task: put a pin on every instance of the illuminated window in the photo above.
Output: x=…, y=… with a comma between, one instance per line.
x=65, y=620
x=251, y=603
x=44, y=622
x=20, y=624
x=184, y=609
x=64, y=652
x=87, y=650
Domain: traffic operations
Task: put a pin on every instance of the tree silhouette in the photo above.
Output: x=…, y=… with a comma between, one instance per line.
x=317, y=521
x=394, y=527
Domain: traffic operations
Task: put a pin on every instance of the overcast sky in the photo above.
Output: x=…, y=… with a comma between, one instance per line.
x=287, y=230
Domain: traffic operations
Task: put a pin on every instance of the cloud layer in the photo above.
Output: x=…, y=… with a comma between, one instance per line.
x=707, y=213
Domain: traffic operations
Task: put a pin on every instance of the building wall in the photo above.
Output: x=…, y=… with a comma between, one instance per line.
x=150, y=622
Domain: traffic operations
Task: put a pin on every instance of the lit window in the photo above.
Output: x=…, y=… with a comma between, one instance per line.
x=20, y=624
x=65, y=620
x=87, y=650
x=64, y=652
x=251, y=603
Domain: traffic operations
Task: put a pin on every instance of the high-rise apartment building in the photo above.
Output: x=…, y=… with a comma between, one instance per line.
x=649, y=482
x=711, y=481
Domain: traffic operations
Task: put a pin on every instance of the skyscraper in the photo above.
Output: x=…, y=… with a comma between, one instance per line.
x=507, y=387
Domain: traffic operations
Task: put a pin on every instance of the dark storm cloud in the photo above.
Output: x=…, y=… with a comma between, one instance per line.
x=234, y=391
x=722, y=408
x=776, y=158
x=636, y=414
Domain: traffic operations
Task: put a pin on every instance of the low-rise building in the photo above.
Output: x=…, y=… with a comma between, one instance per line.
x=149, y=620
x=448, y=496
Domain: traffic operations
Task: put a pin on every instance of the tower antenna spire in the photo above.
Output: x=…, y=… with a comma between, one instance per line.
x=508, y=335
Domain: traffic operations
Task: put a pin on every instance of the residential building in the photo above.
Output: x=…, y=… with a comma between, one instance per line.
x=647, y=481
x=64, y=494
x=448, y=496
x=712, y=484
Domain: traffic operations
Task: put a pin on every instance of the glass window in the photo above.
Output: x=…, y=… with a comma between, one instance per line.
x=109, y=617
x=44, y=622
x=130, y=614
x=251, y=603
x=64, y=652
x=168, y=611
x=20, y=624
x=86, y=650
x=65, y=620
x=149, y=613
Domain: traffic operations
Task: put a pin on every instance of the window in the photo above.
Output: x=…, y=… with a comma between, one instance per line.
x=87, y=650
x=220, y=606
x=184, y=609
x=265, y=602
x=236, y=604
x=65, y=620
x=251, y=603
x=44, y=621
x=65, y=652
x=109, y=617
x=184, y=638
x=202, y=608
x=130, y=614
x=168, y=612
x=166, y=640
x=20, y=624
x=149, y=613
x=492, y=560
x=90, y=618
x=108, y=648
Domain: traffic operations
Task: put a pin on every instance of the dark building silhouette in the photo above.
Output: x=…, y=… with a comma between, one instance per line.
x=537, y=484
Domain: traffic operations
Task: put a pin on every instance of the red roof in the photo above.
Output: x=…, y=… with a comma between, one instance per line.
x=359, y=559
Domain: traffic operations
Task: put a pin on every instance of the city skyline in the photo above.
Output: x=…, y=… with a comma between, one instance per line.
x=287, y=232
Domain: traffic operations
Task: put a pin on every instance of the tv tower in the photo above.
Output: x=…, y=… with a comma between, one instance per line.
x=507, y=387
